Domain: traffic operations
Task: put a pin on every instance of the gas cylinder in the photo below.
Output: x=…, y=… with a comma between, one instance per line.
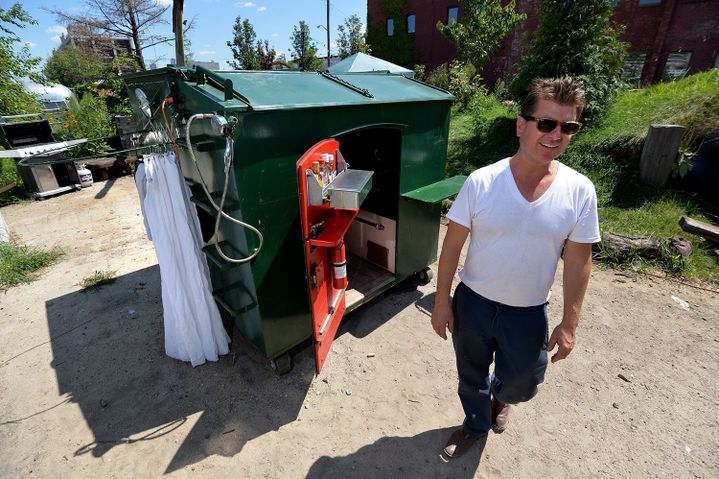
x=339, y=266
x=85, y=175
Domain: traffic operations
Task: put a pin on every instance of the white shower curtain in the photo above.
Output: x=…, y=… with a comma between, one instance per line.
x=193, y=327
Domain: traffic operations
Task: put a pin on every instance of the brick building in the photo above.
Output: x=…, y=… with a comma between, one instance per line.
x=667, y=37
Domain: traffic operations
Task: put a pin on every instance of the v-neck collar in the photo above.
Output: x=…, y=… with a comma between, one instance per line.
x=518, y=194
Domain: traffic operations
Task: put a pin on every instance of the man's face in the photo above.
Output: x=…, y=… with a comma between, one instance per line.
x=541, y=148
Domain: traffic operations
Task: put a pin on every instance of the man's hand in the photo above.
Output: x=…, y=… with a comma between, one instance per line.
x=562, y=336
x=442, y=316
x=442, y=320
x=577, y=266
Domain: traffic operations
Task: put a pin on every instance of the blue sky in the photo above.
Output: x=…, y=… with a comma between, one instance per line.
x=272, y=19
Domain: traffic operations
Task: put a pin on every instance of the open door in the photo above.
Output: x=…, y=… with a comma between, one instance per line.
x=330, y=196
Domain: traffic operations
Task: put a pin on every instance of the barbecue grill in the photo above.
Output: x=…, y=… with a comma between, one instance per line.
x=43, y=172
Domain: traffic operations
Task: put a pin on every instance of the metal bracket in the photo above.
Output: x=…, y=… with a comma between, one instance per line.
x=314, y=190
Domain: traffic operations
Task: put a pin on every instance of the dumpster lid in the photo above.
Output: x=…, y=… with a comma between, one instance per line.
x=273, y=90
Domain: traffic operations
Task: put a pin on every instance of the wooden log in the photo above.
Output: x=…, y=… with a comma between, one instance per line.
x=5, y=188
x=659, y=154
x=645, y=246
x=700, y=228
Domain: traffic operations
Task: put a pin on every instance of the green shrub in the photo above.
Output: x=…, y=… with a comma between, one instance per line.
x=87, y=118
x=419, y=71
x=439, y=77
x=460, y=79
x=8, y=176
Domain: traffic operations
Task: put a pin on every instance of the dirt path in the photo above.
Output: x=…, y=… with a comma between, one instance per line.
x=86, y=390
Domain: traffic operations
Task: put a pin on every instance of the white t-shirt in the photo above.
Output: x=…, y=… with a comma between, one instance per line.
x=515, y=245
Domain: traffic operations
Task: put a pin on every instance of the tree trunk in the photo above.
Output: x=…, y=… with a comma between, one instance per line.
x=136, y=37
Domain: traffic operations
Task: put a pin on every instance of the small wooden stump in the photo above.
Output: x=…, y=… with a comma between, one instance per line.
x=659, y=154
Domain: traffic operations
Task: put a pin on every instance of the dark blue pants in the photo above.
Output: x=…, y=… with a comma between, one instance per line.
x=515, y=338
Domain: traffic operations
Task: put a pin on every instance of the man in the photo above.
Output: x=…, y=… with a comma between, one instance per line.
x=521, y=213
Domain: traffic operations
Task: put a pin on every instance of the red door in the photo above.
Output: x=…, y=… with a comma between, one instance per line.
x=323, y=229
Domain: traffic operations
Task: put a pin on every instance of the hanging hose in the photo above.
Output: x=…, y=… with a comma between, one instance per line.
x=228, y=157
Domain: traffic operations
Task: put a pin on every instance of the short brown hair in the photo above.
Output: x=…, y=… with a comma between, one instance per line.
x=565, y=91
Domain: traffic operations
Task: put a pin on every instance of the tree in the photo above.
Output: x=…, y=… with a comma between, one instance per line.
x=113, y=88
x=75, y=66
x=266, y=55
x=351, y=38
x=576, y=38
x=187, y=51
x=305, y=50
x=484, y=25
x=126, y=18
x=16, y=64
x=243, y=46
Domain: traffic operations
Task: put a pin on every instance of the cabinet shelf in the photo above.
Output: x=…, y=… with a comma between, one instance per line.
x=334, y=228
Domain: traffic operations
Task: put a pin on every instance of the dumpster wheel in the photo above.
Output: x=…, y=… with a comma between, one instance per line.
x=282, y=364
x=424, y=276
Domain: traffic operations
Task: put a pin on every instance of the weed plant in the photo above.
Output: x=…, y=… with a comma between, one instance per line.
x=19, y=264
x=97, y=279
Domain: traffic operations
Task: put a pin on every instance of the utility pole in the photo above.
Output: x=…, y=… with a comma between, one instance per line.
x=328, y=33
x=177, y=6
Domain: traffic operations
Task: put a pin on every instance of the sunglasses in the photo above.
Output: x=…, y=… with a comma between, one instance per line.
x=545, y=125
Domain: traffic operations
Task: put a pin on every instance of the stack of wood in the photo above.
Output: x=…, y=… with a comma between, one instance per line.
x=699, y=228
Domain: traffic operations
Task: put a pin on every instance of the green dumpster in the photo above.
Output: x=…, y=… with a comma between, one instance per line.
x=386, y=133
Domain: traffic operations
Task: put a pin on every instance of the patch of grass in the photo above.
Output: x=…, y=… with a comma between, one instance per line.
x=659, y=216
x=18, y=264
x=692, y=102
x=97, y=279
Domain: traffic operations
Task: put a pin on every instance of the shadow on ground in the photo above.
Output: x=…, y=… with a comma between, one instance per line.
x=105, y=188
x=393, y=457
x=108, y=349
x=372, y=315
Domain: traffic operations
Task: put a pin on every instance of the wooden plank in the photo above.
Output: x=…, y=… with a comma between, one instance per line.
x=5, y=188
x=363, y=279
x=699, y=228
x=659, y=154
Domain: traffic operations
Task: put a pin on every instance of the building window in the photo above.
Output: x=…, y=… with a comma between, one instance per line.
x=650, y=2
x=716, y=61
x=676, y=66
x=411, y=17
x=452, y=15
x=390, y=27
x=633, y=66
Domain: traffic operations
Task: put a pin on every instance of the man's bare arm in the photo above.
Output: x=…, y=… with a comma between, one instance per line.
x=442, y=317
x=577, y=267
